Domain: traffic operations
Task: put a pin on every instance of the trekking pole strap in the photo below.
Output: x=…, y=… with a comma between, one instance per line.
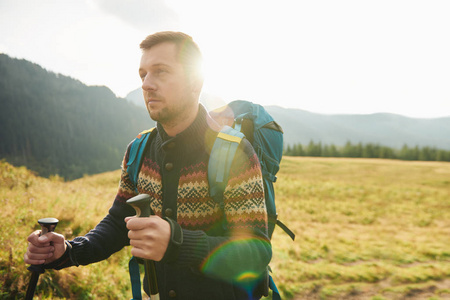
x=135, y=278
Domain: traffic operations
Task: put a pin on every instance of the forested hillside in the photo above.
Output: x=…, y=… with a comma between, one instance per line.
x=54, y=124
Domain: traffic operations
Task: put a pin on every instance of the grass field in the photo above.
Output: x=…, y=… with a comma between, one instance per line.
x=365, y=229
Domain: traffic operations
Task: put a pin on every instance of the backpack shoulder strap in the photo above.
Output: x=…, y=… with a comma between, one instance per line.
x=222, y=155
x=135, y=155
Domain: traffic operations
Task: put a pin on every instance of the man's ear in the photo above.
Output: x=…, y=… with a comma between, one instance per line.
x=196, y=85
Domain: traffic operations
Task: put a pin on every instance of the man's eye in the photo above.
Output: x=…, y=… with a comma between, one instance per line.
x=142, y=76
x=160, y=71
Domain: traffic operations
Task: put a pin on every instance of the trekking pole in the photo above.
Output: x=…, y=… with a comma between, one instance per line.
x=47, y=225
x=141, y=203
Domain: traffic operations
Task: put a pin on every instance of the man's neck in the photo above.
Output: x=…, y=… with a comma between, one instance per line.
x=181, y=125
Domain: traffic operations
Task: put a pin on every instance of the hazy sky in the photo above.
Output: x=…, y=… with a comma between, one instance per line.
x=326, y=56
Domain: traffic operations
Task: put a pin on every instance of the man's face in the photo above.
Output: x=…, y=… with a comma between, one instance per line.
x=169, y=95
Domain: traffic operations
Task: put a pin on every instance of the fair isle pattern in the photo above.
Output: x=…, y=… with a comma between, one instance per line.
x=196, y=210
x=244, y=196
x=126, y=188
x=150, y=182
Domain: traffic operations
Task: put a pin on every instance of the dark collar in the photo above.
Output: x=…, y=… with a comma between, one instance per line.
x=193, y=137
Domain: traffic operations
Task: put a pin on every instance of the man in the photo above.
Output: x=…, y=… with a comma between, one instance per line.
x=218, y=251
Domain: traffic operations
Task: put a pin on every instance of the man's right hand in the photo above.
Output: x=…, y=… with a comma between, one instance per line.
x=44, y=249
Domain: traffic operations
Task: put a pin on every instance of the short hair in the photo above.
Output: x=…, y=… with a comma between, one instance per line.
x=188, y=52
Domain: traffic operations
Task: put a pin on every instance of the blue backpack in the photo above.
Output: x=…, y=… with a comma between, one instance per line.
x=247, y=120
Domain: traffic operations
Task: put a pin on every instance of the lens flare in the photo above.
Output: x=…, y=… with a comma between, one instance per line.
x=247, y=276
x=239, y=260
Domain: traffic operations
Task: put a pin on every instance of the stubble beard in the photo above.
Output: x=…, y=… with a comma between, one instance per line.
x=170, y=116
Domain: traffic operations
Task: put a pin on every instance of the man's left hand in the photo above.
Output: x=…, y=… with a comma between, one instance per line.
x=149, y=237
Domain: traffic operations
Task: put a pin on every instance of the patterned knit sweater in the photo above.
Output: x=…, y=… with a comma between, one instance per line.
x=223, y=249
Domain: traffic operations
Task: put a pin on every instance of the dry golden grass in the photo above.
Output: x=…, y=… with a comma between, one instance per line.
x=366, y=229
x=79, y=205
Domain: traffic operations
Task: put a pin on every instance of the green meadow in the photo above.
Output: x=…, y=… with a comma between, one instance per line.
x=365, y=229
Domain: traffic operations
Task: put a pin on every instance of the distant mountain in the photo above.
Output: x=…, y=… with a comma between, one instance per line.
x=136, y=98
x=381, y=128
x=301, y=127
x=208, y=100
x=54, y=124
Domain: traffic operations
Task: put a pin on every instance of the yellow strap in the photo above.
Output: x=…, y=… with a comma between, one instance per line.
x=148, y=130
x=230, y=138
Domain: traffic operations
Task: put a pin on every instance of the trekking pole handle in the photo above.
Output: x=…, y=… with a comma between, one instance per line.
x=47, y=225
x=141, y=204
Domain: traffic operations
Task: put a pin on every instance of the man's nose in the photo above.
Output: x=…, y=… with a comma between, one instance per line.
x=148, y=83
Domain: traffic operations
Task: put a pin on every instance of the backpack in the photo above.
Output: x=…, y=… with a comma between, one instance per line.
x=242, y=119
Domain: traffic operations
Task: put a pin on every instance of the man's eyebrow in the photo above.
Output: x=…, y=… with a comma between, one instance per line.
x=156, y=66
x=160, y=65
